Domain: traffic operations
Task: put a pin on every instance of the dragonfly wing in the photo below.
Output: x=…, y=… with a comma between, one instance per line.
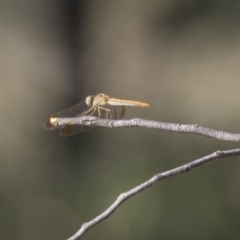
x=111, y=112
x=73, y=111
x=81, y=109
x=69, y=130
x=118, y=112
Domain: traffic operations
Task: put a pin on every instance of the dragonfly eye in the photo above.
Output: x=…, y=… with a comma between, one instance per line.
x=89, y=100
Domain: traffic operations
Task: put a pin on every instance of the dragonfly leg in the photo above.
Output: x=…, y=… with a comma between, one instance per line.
x=105, y=109
x=93, y=110
x=89, y=112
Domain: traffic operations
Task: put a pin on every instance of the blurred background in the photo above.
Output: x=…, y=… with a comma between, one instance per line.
x=182, y=57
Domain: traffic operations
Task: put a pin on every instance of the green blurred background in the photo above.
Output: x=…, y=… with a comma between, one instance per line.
x=180, y=56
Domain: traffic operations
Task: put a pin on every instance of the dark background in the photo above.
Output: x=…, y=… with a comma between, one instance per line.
x=180, y=56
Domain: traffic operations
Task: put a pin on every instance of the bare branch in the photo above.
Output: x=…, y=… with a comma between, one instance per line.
x=137, y=122
x=156, y=178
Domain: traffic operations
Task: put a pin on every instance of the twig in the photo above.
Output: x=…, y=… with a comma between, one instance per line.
x=156, y=178
x=137, y=122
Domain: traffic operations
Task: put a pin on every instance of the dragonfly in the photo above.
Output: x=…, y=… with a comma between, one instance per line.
x=100, y=106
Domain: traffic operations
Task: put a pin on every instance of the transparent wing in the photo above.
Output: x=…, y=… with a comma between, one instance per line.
x=81, y=109
x=72, y=129
x=73, y=111
x=118, y=112
x=110, y=112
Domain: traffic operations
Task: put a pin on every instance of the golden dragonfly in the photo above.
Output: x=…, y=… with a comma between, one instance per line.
x=100, y=106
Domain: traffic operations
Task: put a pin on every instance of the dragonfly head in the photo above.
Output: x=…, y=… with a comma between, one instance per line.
x=89, y=100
